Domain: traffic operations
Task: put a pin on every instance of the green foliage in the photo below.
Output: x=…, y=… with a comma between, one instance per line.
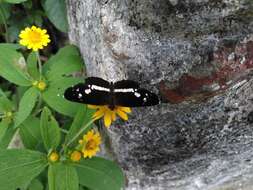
x=5, y=12
x=7, y=137
x=57, y=70
x=31, y=95
x=30, y=133
x=36, y=185
x=59, y=65
x=5, y=104
x=82, y=117
x=56, y=12
x=14, y=1
x=62, y=177
x=32, y=66
x=32, y=106
x=50, y=130
x=53, y=96
x=19, y=167
x=11, y=63
x=30, y=13
x=90, y=172
x=4, y=125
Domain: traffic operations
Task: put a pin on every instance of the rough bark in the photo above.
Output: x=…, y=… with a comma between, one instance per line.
x=198, y=56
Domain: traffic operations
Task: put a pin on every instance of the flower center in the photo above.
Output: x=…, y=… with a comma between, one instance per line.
x=35, y=37
x=41, y=85
x=75, y=156
x=90, y=145
x=8, y=114
x=54, y=156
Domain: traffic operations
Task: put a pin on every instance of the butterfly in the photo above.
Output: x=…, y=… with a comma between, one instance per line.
x=97, y=91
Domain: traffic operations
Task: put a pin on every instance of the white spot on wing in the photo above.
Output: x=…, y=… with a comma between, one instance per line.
x=80, y=95
x=144, y=99
x=87, y=91
x=100, y=88
x=137, y=94
x=124, y=90
x=77, y=89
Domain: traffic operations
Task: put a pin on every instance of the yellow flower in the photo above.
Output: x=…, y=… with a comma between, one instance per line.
x=110, y=114
x=34, y=38
x=54, y=156
x=90, y=144
x=8, y=114
x=75, y=156
x=41, y=85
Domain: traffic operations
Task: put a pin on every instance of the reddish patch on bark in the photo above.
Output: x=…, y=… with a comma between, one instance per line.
x=229, y=66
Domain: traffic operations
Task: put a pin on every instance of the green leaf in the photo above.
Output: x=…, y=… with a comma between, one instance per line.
x=32, y=66
x=14, y=1
x=53, y=96
x=30, y=132
x=83, y=116
x=10, y=46
x=83, y=188
x=11, y=67
x=19, y=167
x=57, y=14
x=9, y=132
x=5, y=104
x=64, y=66
x=2, y=93
x=100, y=174
x=5, y=9
x=65, y=62
x=26, y=105
x=69, y=50
x=50, y=130
x=35, y=17
x=62, y=177
x=4, y=125
x=28, y=5
x=36, y=185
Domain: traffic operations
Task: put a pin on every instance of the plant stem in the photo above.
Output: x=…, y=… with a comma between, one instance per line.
x=5, y=24
x=64, y=131
x=38, y=109
x=79, y=132
x=39, y=63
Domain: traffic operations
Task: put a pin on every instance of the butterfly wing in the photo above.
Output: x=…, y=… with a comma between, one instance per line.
x=127, y=93
x=97, y=81
x=125, y=84
x=95, y=91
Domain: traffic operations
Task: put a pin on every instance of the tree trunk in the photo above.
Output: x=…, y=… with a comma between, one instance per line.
x=198, y=56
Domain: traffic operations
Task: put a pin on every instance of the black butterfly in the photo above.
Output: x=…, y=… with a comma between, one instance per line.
x=96, y=91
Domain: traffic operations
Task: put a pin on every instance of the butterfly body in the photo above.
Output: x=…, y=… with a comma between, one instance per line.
x=96, y=91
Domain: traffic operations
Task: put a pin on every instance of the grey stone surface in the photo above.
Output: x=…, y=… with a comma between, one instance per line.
x=198, y=56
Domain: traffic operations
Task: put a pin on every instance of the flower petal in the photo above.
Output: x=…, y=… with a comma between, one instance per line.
x=98, y=114
x=107, y=119
x=93, y=106
x=113, y=116
x=122, y=114
x=125, y=109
